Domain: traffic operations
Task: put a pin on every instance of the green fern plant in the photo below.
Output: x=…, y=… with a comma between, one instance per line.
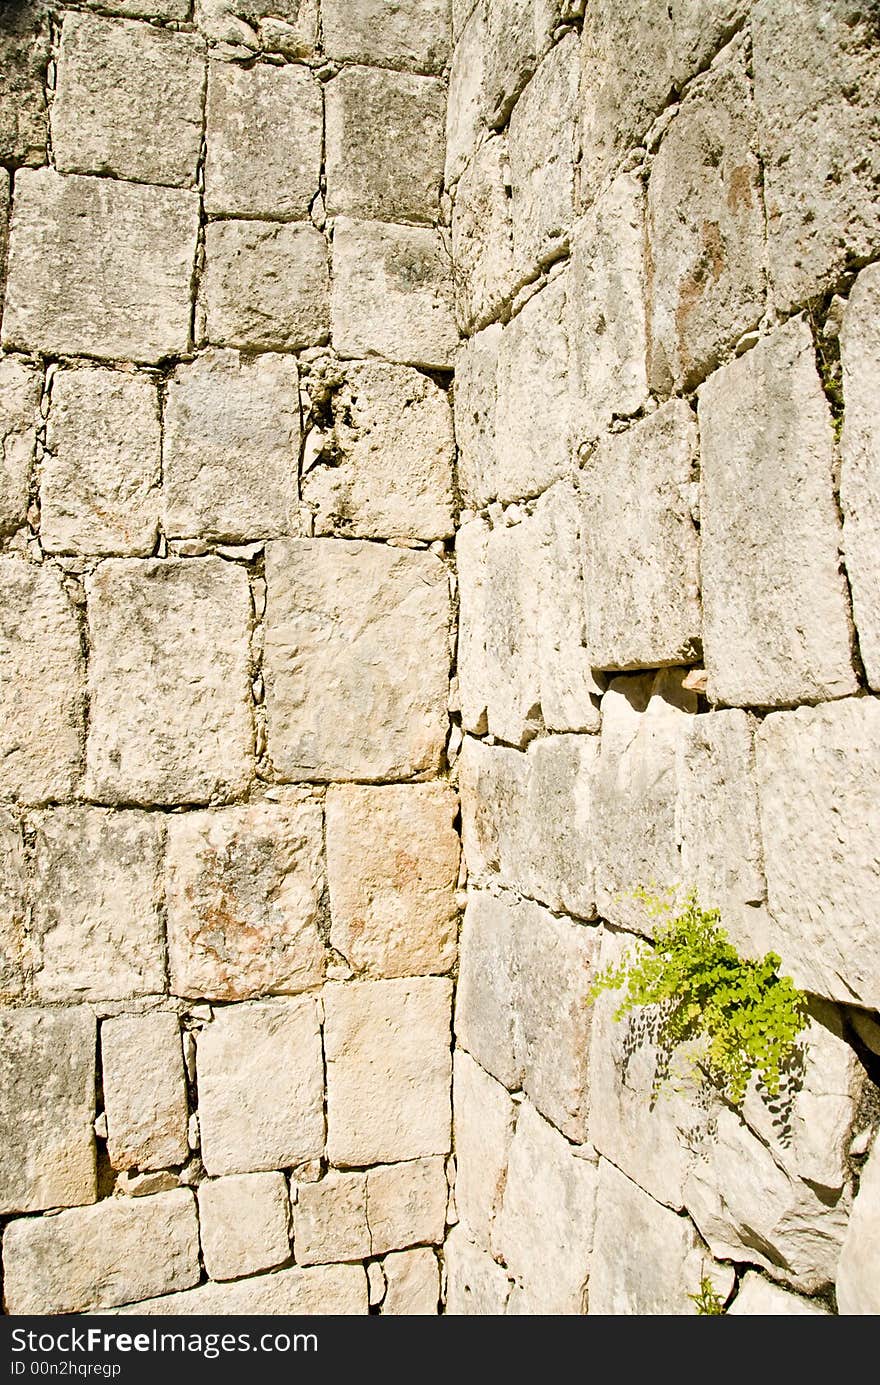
x=707, y=1302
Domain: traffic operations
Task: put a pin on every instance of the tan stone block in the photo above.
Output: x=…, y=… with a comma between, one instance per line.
x=542, y=145
x=758, y=1298
x=465, y=107
x=406, y=1204
x=330, y=1219
x=857, y=1283
x=413, y=1279
x=144, y=1091
x=483, y=1118
x=20, y=388
x=482, y=237
x=517, y=34
x=475, y=1285
x=265, y=285
x=244, y=1224
x=487, y=994
x=860, y=463
x=475, y=373
x=409, y=33
x=289, y=27
x=13, y=906
x=25, y=42
x=327, y=1290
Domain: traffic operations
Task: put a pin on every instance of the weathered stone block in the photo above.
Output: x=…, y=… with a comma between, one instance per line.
x=128, y=101
x=516, y=36
x=243, y=892
x=41, y=694
x=858, y=1284
x=264, y=131
x=475, y=386
x=641, y=560
x=13, y=906
x=390, y=472
x=486, y=999
x=47, y=1102
x=542, y=148
x=99, y=489
x=289, y=27
x=392, y=294
x=261, y=1087
x=389, y=1069
x=392, y=868
x=145, y=9
x=231, y=446
x=5, y=207
x=96, y=1257
x=330, y=1219
x=356, y=659
x=406, y=1204
x=20, y=389
x=464, y=106
x=759, y=1299
x=483, y=1116
x=265, y=286
x=775, y=623
x=475, y=1285
x=243, y=1221
x=24, y=51
x=413, y=1280
x=144, y=1091
x=818, y=772
x=409, y=33
x=482, y=237
x=331, y=1290
x=99, y=267
x=169, y=687
x=860, y=463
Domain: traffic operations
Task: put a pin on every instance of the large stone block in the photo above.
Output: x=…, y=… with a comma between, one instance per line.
x=482, y=237
x=20, y=389
x=406, y=1204
x=818, y=775
x=128, y=101
x=24, y=51
x=408, y=33
x=759, y=1299
x=706, y=267
x=265, y=285
x=244, y=1224
x=41, y=693
x=858, y=1280
x=516, y=35
x=392, y=294
x=243, y=893
x=486, y=998
x=97, y=930
x=264, y=132
x=261, y=1087
x=99, y=487
x=464, y=106
x=330, y=1219
x=47, y=1102
x=475, y=1285
x=476, y=368
x=483, y=1117
x=96, y=1257
x=567, y=685
x=99, y=267
x=817, y=85
x=356, y=660
x=144, y=1091
x=412, y=1278
x=390, y=471
x=775, y=620
x=389, y=1069
x=543, y=149
x=170, y=693
x=13, y=907
x=860, y=463
x=230, y=448
x=641, y=558
x=327, y=1290
x=392, y=868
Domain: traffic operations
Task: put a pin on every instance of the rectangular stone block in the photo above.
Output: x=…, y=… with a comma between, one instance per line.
x=99, y=267
x=517, y=34
x=476, y=367
x=406, y=1204
x=265, y=285
x=170, y=717
x=96, y=1257
x=243, y=892
x=327, y=1290
x=47, y=1104
x=128, y=101
x=410, y=34
x=486, y=999
x=856, y=1285
x=392, y=294
x=775, y=620
x=482, y=237
x=465, y=119
x=230, y=447
x=475, y=1285
x=20, y=390
x=330, y=1219
x=860, y=463
x=41, y=693
x=243, y=1221
x=144, y=1091
x=389, y=1069
x=24, y=51
x=13, y=907
x=97, y=930
x=483, y=1119
x=100, y=478
x=356, y=660
x=392, y=868
x=543, y=150
x=413, y=1283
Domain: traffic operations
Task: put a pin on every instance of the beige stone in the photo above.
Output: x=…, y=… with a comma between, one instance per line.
x=407, y=33
x=392, y=867
x=475, y=385
x=289, y=27
x=330, y=1219
x=145, y=9
x=261, y=1087
x=265, y=285
x=775, y=623
x=96, y=1257
x=144, y=1091
x=390, y=473
x=392, y=294
x=13, y=906
x=464, y=106
x=5, y=208
x=170, y=714
x=413, y=1278
x=41, y=695
x=486, y=999
x=264, y=131
x=20, y=388
x=327, y=1290
x=243, y=1221
x=860, y=463
x=542, y=147
x=388, y=1069
x=857, y=1277
x=569, y=688
x=475, y=1285
x=47, y=1102
x=356, y=660
x=128, y=101
x=406, y=1204
x=243, y=898
x=482, y=237
x=24, y=51
x=99, y=267
x=99, y=487
x=757, y=1298
x=483, y=1118
x=516, y=35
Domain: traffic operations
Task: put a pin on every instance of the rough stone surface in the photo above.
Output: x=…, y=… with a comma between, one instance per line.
x=96, y=1257
x=483, y=1116
x=860, y=463
x=464, y=108
x=858, y=1281
x=243, y=1222
x=288, y=27
x=144, y=1091
x=542, y=148
x=99, y=488
x=392, y=294
x=99, y=267
x=128, y=101
x=330, y=1219
x=242, y=898
x=327, y=1290
x=392, y=866
x=261, y=1087
x=265, y=285
x=41, y=689
x=170, y=696
x=413, y=1279
x=757, y=1298
x=390, y=472
x=264, y=131
x=13, y=907
x=388, y=1069
x=47, y=1103
x=775, y=623
x=567, y=684
x=475, y=1285
x=20, y=388
x=24, y=51
x=818, y=771
x=640, y=544
x=406, y=33
x=485, y=1004
x=406, y=1204
x=356, y=660
x=482, y=237
x=144, y=9
x=475, y=374
x=516, y=34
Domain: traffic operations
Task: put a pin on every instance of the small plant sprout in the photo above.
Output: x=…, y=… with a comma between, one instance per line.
x=707, y=1302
